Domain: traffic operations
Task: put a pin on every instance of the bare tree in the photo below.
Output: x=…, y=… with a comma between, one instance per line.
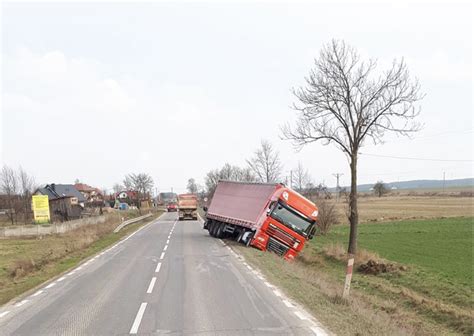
x=141, y=183
x=265, y=163
x=27, y=186
x=227, y=172
x=192, y=186
x=346, y=102
x=118, y=188
x=9, y=188
x=380, y=188
x=301, y=178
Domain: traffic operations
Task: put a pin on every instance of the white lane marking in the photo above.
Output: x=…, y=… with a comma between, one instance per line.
x=162, y=255
x=318, y=331
x=168, y=241
x=61, y=279
x=37, y=293
x=4, y=313
x=152, y=284
x=158, y=267
x=165, y=248
x=79, y=268
x=268, y=284
x=277, y=292
x=250, y=268
x=19, y=304
x=71, y=273
x=50, y=285
x=300, y=315
x=260, y=277
x=288, y=304
x=138, y=318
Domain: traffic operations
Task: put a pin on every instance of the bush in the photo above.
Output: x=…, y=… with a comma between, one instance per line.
x=327, y=216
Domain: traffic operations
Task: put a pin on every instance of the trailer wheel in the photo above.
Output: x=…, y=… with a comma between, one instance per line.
x=214, y=229
x=239, y=237
x=220, y=230
x=210, y=227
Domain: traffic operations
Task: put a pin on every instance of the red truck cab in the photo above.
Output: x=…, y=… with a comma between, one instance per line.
x=287, y=224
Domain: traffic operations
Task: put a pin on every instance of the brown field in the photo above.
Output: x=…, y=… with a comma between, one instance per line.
x=398, y=207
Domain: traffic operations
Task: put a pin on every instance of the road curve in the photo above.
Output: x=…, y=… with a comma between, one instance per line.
x=169, y=278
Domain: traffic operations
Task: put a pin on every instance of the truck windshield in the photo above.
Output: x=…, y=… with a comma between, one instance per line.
x=291, y=218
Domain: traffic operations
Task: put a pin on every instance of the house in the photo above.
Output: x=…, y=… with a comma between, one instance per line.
x=65, y=201
x=127, y=196
x=91, y=194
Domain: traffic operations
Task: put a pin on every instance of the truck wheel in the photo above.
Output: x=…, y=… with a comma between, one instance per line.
x=249, y=239
x=210, y=225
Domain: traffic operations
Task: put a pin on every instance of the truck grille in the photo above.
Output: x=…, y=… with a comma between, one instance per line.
x=277, y=247
x=280, y=234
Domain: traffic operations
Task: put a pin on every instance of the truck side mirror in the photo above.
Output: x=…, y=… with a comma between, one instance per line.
x=312, y=232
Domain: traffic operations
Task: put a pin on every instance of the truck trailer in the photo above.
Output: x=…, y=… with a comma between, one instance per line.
x=187, y=206
x=268, y=216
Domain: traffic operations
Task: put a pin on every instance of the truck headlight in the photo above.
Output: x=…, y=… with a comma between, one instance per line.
x=296, y=244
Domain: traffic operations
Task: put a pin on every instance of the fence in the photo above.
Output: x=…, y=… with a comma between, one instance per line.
x=45, y=229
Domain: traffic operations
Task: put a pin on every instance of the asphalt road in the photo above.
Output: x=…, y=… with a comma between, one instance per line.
x=169, y=278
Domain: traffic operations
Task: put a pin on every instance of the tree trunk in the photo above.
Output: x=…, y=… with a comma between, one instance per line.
x=353, y=211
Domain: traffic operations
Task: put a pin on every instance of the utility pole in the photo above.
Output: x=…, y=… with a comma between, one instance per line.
x=444, y=180
x=337, y=176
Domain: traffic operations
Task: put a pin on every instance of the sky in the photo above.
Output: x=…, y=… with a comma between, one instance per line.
x=94, y=91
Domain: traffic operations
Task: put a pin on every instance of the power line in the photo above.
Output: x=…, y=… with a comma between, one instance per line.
x=412, y=158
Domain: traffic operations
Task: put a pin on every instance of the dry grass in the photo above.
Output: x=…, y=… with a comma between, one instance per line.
x=339, y=252
x=390, y=207
x=26, y=262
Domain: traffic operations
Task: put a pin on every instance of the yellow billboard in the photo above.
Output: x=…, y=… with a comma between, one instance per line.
x=41, y=208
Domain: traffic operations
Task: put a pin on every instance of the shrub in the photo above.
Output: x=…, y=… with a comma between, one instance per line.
x=327, y=216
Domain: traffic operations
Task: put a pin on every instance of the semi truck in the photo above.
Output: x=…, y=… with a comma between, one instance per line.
x=268, y=216
x=187, y=206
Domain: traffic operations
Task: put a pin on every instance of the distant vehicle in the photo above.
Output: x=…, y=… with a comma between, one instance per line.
x=187, y=206
x=172, y=207
x=268, y=216
x=166, y=197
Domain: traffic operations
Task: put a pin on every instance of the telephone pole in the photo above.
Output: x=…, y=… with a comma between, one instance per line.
x=337, y=176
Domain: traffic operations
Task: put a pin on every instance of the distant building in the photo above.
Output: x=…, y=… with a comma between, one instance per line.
x=65, y=201
x=91, y=194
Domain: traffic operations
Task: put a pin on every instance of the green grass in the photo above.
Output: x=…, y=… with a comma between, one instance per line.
x=432, y=296
x=441, y=246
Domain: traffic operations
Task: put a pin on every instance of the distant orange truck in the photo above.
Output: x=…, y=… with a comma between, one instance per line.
x=187, y=206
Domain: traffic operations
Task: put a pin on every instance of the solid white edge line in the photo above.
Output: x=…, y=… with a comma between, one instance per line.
x=162, y=255
x=277, y=292
x=158, y=267
x=300, y=315
x=138, y=318
x=37, y=293
x=61, y=279
x=318, y=331
x=4, y=313
x=19, y=304
x=152, y=284
x=50, y=285
x=288, y=304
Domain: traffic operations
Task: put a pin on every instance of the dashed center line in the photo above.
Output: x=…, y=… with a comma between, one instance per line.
x=138, y=318
x=152, y=284
x=165, y=248
x=168, y=241
x=158, y=267
x=162, y=255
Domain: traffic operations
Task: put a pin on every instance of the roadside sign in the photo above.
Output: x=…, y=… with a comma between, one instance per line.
x=41, y=208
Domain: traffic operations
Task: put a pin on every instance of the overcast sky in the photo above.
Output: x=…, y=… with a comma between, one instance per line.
x=96, y=91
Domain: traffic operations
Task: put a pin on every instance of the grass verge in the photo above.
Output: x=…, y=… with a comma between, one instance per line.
x=431, y=295
x=27, y=262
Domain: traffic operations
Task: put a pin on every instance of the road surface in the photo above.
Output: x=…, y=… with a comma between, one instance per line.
x=169, y=278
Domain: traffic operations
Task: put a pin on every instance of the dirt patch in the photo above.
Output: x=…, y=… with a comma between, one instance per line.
x=376, y=267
